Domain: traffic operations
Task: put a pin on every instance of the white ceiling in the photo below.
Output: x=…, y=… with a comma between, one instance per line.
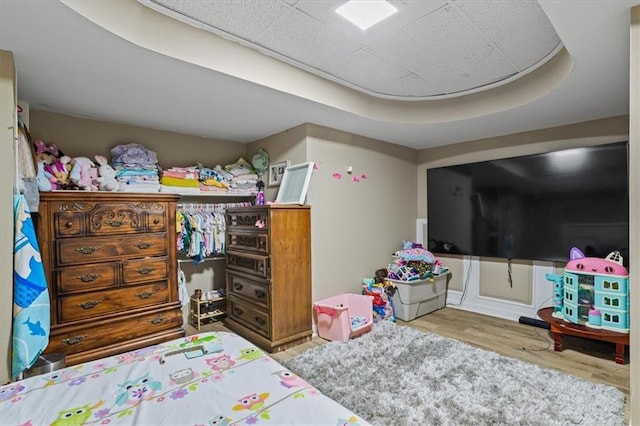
x=427, y=48
x=66, y=63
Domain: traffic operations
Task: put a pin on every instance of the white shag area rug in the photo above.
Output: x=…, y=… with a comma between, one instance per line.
x=398, y=375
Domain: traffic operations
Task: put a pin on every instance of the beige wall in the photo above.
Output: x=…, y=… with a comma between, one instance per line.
x=634, y=212
x=356, y=226
x=82, y=137
x=7, y=177
x=494, y=275
x=289, y=145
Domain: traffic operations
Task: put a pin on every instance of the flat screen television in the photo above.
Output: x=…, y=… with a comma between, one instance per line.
x=532, y=207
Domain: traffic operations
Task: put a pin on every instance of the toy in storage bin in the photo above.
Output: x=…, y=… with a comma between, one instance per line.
x=344, y=317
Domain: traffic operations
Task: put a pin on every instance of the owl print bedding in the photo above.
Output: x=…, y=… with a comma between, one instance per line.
x=215, y=378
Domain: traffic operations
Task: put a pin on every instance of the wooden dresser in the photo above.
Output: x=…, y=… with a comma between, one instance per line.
x=269, y=274
x=110, y=261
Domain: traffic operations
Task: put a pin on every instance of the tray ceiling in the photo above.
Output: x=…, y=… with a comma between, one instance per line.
x=427, y=49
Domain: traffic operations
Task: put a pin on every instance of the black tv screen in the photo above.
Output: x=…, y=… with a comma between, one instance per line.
x=534, y=207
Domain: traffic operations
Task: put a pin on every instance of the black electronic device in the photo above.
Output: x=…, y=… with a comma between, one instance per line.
x=532, y=207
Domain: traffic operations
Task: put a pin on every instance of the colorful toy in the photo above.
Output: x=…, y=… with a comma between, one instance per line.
x=382, y=292
x=83, y=173
x=593, y=292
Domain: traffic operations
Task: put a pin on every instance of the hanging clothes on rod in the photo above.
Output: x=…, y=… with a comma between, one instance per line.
x=201, y=229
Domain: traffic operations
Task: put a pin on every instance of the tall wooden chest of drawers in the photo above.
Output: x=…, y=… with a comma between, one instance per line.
x=269, y=274
x=110, y=262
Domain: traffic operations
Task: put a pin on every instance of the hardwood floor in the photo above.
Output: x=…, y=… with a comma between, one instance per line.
x=589, y=359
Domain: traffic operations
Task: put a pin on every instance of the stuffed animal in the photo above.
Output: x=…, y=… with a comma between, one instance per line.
x=106, y=175
x=83, y=173
x=43, y=178
x=42, y=147
x=59, y=169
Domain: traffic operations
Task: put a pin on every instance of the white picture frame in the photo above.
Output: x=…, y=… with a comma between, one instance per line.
x=276, y=172
x=295, y=183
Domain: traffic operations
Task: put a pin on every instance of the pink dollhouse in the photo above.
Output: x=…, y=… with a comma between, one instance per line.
x=593, y=292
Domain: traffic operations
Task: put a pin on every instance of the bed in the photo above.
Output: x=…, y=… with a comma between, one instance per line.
x=213, y=378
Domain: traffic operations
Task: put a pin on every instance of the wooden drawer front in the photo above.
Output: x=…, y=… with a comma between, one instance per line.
x=249, y=316
x=89, y=250
x=68, y=224
x=250, y=263
x=255, y=219
x=91, y=305
x=85, y=278
x=115, y=218
x=106, y=333
x=156, y=221
x=144, y=270
x=248, y=241
x=249, y=289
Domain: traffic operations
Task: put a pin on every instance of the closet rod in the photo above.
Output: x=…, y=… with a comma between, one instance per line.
x=203, y=260
x=241, y=204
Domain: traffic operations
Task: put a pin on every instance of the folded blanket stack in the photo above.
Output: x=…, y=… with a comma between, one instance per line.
x=180, y=180
x=244, y=178
x=214, y=180
x=136, y=168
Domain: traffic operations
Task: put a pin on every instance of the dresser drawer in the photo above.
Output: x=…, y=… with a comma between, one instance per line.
x=249, y=289
x=68, y=224
x=248, y=220
x=249, y=316
x=248, y=241
x=107, y=332
x=89, y=250
x=91, y=305
x=87, y=277
x=79, y=218
x=254, y=264
x=144, y=270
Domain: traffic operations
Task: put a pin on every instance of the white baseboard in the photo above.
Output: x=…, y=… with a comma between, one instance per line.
x=492, y=307
x=471, y=300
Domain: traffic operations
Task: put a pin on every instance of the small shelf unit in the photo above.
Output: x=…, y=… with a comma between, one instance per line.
x=203, y=311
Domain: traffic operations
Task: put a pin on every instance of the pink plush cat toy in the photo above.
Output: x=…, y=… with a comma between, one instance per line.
x=611, y=265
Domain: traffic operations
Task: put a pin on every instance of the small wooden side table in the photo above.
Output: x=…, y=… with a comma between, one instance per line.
x=560, y=327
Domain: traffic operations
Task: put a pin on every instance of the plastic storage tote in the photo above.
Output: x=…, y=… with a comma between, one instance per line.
x=416, y=298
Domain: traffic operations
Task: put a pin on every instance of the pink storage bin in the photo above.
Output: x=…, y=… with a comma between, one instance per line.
x=344, y=317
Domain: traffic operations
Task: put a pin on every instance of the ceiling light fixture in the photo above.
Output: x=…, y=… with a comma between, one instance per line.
x=366, y=13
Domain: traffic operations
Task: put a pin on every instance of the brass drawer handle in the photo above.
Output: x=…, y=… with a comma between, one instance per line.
x=237, y=311
x=87, y=250
x=115, y=223
x=68, y=225
x=260, y=294
x=156, y=221
x=157, y=321
x=260, y=321
x=88, y=278
x=144, y=271
x=90, y=304
x=145, y=294
x=143, y=245
x=74, y=340
x=237, y=287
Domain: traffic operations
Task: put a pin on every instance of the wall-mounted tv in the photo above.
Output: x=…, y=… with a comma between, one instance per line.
x=532, y=207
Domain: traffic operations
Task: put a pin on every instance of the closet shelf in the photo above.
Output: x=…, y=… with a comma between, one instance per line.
x=216, y=195
x=216, y=257
x=215, y=313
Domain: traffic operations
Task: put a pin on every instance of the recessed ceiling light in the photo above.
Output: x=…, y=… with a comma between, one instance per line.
x=366, y=13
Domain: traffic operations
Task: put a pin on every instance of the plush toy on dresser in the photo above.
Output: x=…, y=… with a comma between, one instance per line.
x=593, y=292
x=106, y=175
x=84, y=173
